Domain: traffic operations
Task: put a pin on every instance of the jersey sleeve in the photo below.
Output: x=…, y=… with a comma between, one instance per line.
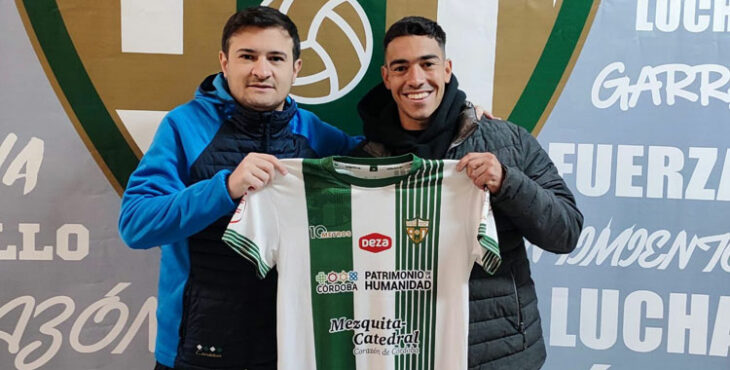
x=253, y=231
x=487, y=246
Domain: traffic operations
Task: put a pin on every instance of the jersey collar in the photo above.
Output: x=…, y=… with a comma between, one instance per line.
x=329, y=164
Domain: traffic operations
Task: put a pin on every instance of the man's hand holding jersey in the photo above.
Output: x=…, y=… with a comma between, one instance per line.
x=254, y=172
x=484, y=170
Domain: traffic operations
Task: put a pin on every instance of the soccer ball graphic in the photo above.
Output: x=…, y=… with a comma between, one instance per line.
x=337, y=46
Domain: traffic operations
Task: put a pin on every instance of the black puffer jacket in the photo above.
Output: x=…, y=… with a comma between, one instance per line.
x=533, y=203
x=222, y=293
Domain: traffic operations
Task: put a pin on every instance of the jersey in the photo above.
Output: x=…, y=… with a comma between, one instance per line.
x=373, y=257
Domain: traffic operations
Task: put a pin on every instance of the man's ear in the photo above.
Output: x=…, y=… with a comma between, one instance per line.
x=223, y=59
x=297, y=68
x=447, y=68
x=384, y=75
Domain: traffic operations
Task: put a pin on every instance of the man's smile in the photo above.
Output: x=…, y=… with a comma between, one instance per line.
x=419, y=95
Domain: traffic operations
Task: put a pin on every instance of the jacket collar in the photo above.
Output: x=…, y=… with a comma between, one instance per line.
x=215, y=89
x=248, y=119
x=468, y=123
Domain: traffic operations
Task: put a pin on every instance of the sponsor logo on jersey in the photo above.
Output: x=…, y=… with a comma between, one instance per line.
x=387, y=331
x=417, y=229
x=336, y=282
x=401, y=280
x=238, y=214
x=321, y=232
x=375, y=242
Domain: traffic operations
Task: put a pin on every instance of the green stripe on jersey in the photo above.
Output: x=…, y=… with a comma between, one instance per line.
x=491, y=259
x=329, y=210
x=248, y=249
x=417, y=220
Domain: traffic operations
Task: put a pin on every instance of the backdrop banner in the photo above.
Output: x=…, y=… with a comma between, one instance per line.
x=631, y=99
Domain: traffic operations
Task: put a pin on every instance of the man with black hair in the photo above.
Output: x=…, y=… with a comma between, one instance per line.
x=213, y=312
x=419, y=109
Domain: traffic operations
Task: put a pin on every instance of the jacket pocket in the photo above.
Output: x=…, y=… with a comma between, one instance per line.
x=221, y=329
x=520, y=317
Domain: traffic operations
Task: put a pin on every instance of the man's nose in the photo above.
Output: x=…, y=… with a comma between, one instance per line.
x=261, y=69
x=415, y=77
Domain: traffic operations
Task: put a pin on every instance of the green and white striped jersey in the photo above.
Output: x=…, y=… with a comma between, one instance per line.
x=373, y=256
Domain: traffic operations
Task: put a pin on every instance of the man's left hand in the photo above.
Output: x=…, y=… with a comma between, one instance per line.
x=483, y=169
x=483, y=112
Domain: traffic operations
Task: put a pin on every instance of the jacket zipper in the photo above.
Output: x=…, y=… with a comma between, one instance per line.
x=266, y=137
x=520, y=323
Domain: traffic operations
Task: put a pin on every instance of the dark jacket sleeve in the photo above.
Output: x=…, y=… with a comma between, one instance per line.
x=537, y=201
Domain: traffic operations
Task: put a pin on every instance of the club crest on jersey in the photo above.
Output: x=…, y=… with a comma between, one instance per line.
x=417, y=229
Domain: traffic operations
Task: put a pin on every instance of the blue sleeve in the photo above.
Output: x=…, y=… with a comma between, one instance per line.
x=158, y=207
x=324, y=139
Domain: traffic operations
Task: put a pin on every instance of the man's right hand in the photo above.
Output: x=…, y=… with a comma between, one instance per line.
x=254, y=172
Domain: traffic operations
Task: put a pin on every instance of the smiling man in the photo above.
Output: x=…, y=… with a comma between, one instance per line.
x=213, y=312
x=419, y=60
x=419, y=109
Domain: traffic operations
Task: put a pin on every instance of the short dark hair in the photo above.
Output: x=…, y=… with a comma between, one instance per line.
x=415, y=26
x=262, y=17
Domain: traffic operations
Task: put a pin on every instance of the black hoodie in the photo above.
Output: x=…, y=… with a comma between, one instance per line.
x=381, y=122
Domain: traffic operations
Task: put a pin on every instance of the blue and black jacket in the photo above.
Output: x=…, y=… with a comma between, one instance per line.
x=212, y=310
